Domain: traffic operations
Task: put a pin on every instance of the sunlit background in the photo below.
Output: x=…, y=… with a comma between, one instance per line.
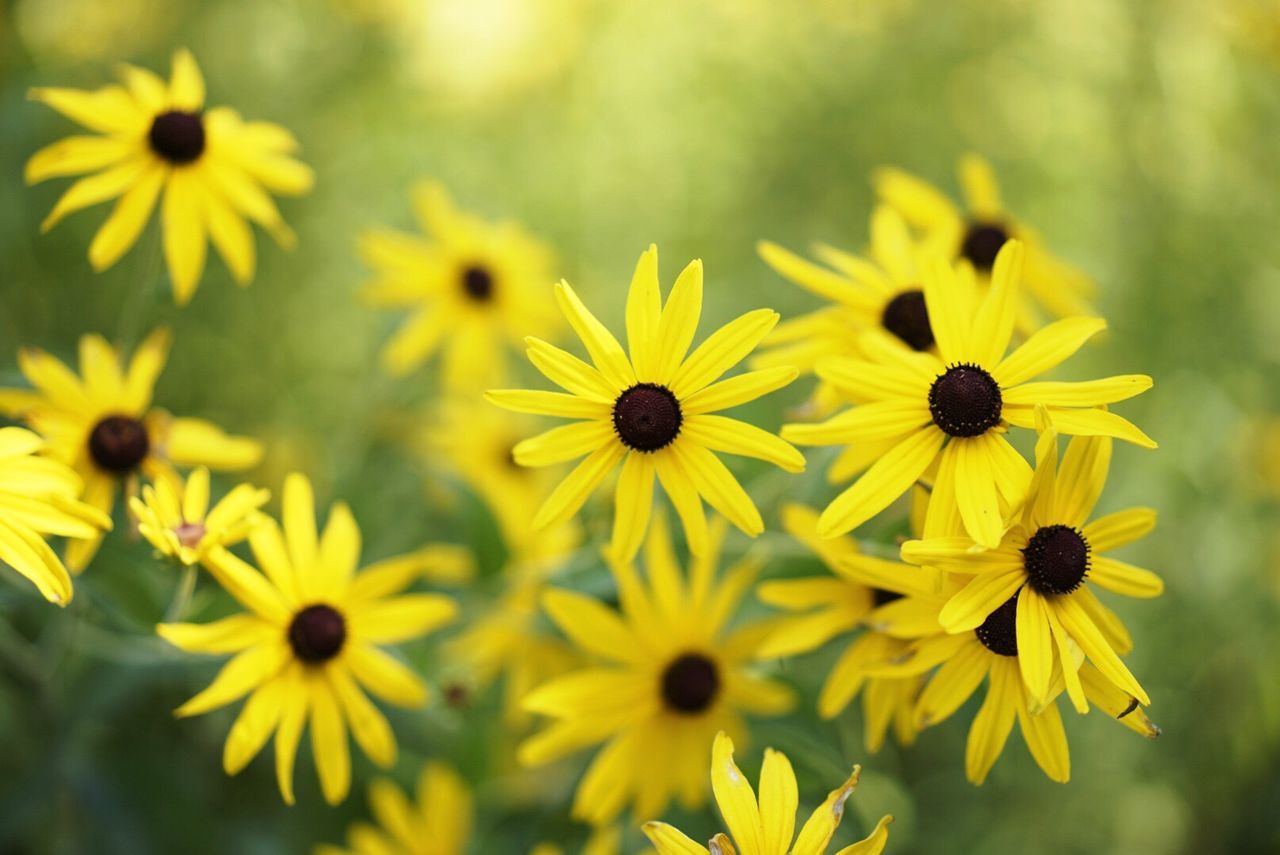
x=1139, y=137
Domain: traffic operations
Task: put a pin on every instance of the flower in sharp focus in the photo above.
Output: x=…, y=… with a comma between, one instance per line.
x=954, y=408
x=438, y=822
x=652, y=411
x=308, y=646
x=672, y=675
x=175, y=517
x=475, y=289
x=38, y=498
x=863, y=592
x=103, y=424
x=766, y=826
x=1050, y=557
x=212, y=167
x=977, y=234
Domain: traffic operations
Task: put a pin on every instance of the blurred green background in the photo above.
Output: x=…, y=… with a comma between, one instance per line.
x=1139, y=136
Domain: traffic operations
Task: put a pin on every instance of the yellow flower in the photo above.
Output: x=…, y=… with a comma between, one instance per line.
x=953, y=408
x=977, y=234
x=309, y=642
x=1048, y=552
x=439, y=822
x=104, y=425
x=766, y=826
x=38, y=498
x=175, y=516
x=863, y=592
x=652, y=411
x=603, y=841
x=474, y=287
x=673, y=675
x=211, y=165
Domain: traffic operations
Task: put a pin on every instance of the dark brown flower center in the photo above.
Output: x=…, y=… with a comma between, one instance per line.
x=879, y=596
x=906, y=317
x=999, y=632
x=1057, y=559
x=690, y=684
x=118, y=444
x=647, y=417
x=965, y=401
x=477, y=282
x=177, y=137
x=317, y=633
x=982, y=242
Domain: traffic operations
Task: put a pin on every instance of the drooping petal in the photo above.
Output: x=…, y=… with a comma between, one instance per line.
x=633, y=503
x=991, y=726
x=715, y=483
x=979, y=598
x=886, y=480
x=242, y=674
x=975, y=489
x=1035, y=644
x=329, y=743
x=130, y=215
x=182, y=213
x=1047, y=741
x=678, y=485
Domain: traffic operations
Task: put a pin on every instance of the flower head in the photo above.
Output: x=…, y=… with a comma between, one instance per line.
x=437, y=822
x=766, y=826
x=473, y=287
x=175, y=517
x=308, y=646
x=104, y=425
x=652, y=410
x=153, y=138
x=38, y=498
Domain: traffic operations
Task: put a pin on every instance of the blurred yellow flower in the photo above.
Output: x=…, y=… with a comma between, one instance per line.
x=652, y=411
x=475, y=288
x=1048, y=552
x=439, y=822
x=174, y=516
x=104, y=425
x=38, y=497
x=915, y=408
x=674, y=674
x=977, y=234
x=603, y=841
x=309, y=642
x=211, y=165
x=766, y=826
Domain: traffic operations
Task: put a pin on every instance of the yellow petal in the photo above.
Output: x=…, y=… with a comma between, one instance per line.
x=1045, y=349
x=735, y=797
x=186, y=85
x=991, y=726
x=722, y=350
x=606, y=353
x=329, y=744
x=886, y=480
x=182, y=213
x=644, y=313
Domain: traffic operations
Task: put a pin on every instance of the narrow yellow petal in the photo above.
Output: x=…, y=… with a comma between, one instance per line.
x=886, y=480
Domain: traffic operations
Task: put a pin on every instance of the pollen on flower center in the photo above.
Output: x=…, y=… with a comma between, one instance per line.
x=118, y=444
x=965, y=401
x=1057, y=559
x=317, y=633
x=982, y=243
x=690, y=683
x=998, y=632
x=647, y=417
x=177, y=137
x=477, y=282
x=906, y=317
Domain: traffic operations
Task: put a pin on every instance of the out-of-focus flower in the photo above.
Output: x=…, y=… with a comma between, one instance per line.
x=977, y=234
x=1049, y=550
x=652, y=411
x=308, y=646
x=915, y=408
x=438, y=822
x=603, y=841
x=673, y=675
x=767, y=825
x=38, y=497
x=152, y=138
x=174, y=515
x=475, y=288
x=90, y=29
x=102, y=423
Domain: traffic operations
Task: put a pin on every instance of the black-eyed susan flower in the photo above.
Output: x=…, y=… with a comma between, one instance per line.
x=652, y=411
x=916, y=408
x=863, y=592
x=175, y=517
x=766, y=826
x=308, y=647
x=976, y=234
x=103, y=424
x=151, y=138
x=38, y=498
x=475, y=288
x=672, y=674
x=437, y=822
x=1050, y=556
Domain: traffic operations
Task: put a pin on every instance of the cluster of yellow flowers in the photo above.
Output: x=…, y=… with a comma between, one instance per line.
x=926, y=359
